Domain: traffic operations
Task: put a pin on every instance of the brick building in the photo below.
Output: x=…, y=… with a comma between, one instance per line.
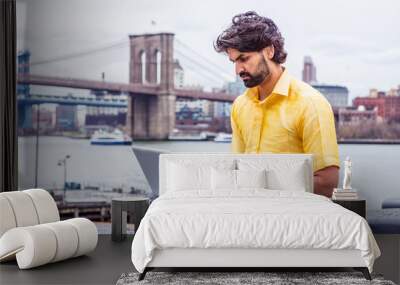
x=388, y=107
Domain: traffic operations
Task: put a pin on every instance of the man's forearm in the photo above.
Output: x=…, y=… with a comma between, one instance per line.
x=325, y=180
x=323, y=188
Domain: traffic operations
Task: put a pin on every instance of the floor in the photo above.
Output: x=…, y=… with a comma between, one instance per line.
x=103, y=266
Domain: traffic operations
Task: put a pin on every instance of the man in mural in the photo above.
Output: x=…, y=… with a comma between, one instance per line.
x=277, y=113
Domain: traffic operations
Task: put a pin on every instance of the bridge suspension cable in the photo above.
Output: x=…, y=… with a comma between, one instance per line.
x=114, y=45
x=193, y=67
x=200, y=68
x=207, y=60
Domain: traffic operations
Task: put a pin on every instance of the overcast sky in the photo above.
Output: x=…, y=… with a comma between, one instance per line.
x=352, y=43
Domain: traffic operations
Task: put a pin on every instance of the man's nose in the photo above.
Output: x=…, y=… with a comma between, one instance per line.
x=239, y=68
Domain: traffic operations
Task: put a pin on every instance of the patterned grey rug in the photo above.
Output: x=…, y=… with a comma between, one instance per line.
x=228, y=278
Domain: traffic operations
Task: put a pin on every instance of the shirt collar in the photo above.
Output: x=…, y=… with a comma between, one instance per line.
x=281, y=87
x=283, y=84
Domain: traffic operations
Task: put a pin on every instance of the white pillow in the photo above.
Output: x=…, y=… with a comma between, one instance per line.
x=294, y=180
x=251, y=178
x=183, y=178
x=223, y=179
x=227, y=179
x=282, y=174
x=192, y=175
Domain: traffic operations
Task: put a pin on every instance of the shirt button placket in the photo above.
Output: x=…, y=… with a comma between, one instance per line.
x=260, y=117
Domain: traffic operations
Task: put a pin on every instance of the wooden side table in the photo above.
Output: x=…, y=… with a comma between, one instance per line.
x=120, y=207
x=357, y=206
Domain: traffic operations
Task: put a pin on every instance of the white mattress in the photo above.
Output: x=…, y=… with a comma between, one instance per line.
x=253, y=218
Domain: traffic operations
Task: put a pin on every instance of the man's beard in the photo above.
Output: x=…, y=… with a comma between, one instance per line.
x=258, y=77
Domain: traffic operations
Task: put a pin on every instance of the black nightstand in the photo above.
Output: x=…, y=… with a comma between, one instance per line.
x=357, y=206
x=120, y=207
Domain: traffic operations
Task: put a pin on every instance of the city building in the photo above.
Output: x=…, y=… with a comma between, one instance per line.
x=387, y=104
x=393, y=91
x=23, y=69
x=235, y=88
x=309, y=70
x=357, y=115
x=100, y=116
x=66, y=118
x=205, y=107
x=188, y=110
x=336, y=95
x=100, y=119
x=189, y=113
x=373, y=93
x=179, y=75
x=221, y=109
x=46, y=118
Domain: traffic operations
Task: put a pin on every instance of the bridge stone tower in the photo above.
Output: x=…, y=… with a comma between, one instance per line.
x=151, y=63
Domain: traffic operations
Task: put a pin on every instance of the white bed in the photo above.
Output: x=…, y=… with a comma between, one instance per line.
x=201, y=220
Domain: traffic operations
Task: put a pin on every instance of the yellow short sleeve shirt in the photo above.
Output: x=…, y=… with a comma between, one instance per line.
x=294, y=118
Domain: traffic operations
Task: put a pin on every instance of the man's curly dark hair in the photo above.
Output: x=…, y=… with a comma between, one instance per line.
x=251, y=32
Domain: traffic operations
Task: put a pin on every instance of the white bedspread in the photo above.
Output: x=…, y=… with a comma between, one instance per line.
x=250, y=219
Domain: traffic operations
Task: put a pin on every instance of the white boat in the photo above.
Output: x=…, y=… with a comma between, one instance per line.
x=116, y=137
x=181, y=136
x=223, y=137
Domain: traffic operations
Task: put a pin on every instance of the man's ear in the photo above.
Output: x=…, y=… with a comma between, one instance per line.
x=269, y=52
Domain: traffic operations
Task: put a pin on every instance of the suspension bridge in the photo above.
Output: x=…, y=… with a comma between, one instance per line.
x=151, y=93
